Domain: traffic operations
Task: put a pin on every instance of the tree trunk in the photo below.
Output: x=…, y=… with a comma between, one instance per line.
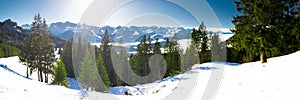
x=41, y=75
x=263, y=57
x=38, y=73
x=46, y=75
x=27, y=75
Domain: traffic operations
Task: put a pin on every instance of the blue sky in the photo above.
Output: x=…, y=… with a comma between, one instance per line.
x=185, y=13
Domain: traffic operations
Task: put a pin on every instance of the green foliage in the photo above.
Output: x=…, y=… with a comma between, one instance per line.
x=141, y=60
x=88, y=73
x=102, y=70
x=200, y=41
x=37, y=51
x=218, y=50
x=265, y=27
x=67, y=57
x=8, y=51
x=157, y=46
x=173, y=58
x=189, y=58
x=60, y=74
x=105, y=50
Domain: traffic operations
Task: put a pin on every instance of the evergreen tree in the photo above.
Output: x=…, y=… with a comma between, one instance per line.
x=67, y=57
x=38, y=51
x=264, y=26
x=102, y=70
x=60, y=74
x=88, y=73
x=173, y=59
x=189, y=58
x=217, y=48
x=106, y=53
x=204, y=54
x=141, y=62
x=157, y=47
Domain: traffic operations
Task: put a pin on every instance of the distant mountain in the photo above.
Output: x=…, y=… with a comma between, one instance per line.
x=12, y=34
x=128, y=34
x=66, y=30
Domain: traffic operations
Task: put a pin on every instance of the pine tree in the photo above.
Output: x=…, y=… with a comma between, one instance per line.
x=102, y=70
x=67, y=57
x=60, y=74
x=173, y=59
x=157, y=47
x=203, y=54
x=106, y=53
x=262, y=26
x=189, y=58
x=88, y=73
x=38, y=51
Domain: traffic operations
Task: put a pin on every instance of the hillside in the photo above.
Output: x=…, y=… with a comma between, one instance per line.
x=275, y=80
x=13, y=34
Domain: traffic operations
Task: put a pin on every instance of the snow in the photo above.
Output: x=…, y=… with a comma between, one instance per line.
x=276, y=80
x=14, y=85
x=136, y=33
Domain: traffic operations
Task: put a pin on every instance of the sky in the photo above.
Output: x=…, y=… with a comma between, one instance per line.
x=187, y=13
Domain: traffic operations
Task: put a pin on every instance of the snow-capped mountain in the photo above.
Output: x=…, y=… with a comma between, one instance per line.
x=128, y=34
x=66, y=30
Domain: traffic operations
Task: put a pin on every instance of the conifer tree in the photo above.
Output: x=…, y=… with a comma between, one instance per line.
x=88, y=73
x=67, y=57
x=262, y=22
x=38, y=51
x=102, y=70
x=157, y=47
x=60, y=74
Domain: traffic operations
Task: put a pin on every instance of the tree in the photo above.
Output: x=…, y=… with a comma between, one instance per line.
x=102, y=70
x=88, y=73
x=263, y=26
x=217, y=48
x=173, y=59
x=157, y=47
x=140, y=60
x=67, y=57
x=60, y=74
x=189, y=57
x=203, y=54
x=37, y=51
x=200, y=41
x=105, y=49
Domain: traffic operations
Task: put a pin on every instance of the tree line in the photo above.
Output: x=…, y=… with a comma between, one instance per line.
x=113, y=64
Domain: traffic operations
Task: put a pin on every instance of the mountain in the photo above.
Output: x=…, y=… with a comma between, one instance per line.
x=12, y=34
x=128, y=34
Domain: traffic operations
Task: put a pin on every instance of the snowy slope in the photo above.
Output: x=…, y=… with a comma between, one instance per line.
x=14, y=85
x=276, y=80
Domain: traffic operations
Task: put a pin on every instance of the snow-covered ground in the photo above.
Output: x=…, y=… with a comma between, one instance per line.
x=276, y=80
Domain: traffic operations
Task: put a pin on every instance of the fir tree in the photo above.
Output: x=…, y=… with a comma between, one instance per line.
x=60, y=74
x=88, y=73
x=157, y=47
x=38, y=51
x=263, y=26
x=67, y=57
x=102, y=70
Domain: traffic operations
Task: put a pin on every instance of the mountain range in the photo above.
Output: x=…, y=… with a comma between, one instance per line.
x=128, y=34
x=62, y=31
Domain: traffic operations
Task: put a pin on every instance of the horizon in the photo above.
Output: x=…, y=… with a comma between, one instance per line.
x=66, y=11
